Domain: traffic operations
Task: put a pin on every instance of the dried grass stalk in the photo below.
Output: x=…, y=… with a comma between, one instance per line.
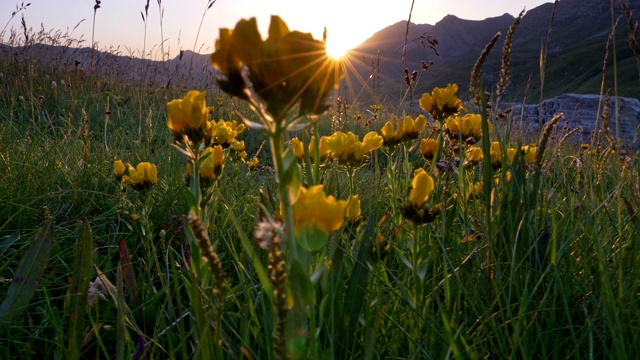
x=475, y=73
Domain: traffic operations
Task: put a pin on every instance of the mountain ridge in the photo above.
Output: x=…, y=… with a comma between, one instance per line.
x=574, y=62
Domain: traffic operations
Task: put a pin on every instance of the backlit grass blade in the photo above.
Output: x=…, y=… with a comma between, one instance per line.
x=79, y=289
x=29, y=271
x=6, y=241
x=128, y=275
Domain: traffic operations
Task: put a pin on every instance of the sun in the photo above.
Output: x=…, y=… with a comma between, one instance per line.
x=336, y=49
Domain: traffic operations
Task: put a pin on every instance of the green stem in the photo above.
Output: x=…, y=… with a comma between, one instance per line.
x=195, y=180
x=417, y=285
x=390, y=172
x=277, y=152
x=352, y=185
x=405, y=162
x=416, y=260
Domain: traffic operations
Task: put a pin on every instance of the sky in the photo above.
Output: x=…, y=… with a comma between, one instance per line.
x=189, y=25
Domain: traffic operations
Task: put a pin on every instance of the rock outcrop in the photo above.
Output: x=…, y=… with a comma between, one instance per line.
x=581, y=111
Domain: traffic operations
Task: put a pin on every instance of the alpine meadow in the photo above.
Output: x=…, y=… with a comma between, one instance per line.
x=464, y=190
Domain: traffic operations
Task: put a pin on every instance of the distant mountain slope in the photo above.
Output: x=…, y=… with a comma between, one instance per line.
x=574, y=63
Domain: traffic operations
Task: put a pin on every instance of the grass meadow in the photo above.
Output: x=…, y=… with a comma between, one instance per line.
x=299, y=231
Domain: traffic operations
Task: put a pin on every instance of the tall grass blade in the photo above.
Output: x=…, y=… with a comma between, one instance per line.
x=78, y=292
x=356, y=288
x=128, y=275
x=7, y=241
x=121, y=333
x=30, y=270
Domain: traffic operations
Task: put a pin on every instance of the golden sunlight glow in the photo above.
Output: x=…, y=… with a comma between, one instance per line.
x=336, y=48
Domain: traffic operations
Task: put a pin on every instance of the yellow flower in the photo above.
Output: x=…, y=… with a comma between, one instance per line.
x=223, y=132
x=529, y=152
x=353, y=213
x=324, y=150
x=298, y=148
x=442, y=102
x=376, y=108
x=421, y=187
x=474, y=154
x=286, y=68
x=225, y=60
x=428, y=148
x=412, y=129
x=188, y=116
x=390, y=137
x=143, y=176
x=511, y=154
x=212, y=166
x=237, y=145
x=507, y=177
x=584, y=146
x=471, y=125
x=349, y=150
x=453, y=126
x=465, y=127
x=252, y=163
x=476, y=188
x=496, y=153
x=315, y=210
x=408, y=129
x=472, y=190
x=118, y=169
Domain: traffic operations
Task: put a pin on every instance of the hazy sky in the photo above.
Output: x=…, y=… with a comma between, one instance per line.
x=349, y=22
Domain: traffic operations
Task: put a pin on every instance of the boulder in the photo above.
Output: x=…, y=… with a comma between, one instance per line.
x=583, y=111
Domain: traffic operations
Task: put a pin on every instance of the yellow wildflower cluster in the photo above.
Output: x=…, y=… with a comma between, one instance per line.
x=376, y=108
x=188, y=116
x=408, y=129
x=442, y=102
x=142, y=177
x=239, y=149
x=349, y=150
x=314, y=210
x=474, y=154
x=467, y=127
x=223, y=133
x=252, y=163
x=496, y=154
